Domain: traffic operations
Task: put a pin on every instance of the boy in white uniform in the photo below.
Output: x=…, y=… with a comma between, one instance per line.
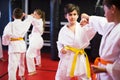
x=107, y=67
x=72, y=40
x=13, y=35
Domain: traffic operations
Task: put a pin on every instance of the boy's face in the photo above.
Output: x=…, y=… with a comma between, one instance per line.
x=109, y=12
x=72, y=17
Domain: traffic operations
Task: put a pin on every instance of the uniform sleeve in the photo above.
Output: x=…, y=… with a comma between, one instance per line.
x=7, y=29
x=98, y=23
x=27, y=22
x=59, y=44
x=114, y=69
x=38, y=25
x=63, y=40
x=90, y=31
x=6, y=34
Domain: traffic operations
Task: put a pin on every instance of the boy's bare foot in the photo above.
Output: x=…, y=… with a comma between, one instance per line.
x=3, y=60
x=32, y=73
x=39, y=65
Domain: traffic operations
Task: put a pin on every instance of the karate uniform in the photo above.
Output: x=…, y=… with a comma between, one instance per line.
x=80, y=39
x=109, y=48
x=17, y=48
x=1, y=51
x=35, y=44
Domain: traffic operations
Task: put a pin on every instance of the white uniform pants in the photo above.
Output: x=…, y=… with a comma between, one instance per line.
x=16, y=60
x=33, y=55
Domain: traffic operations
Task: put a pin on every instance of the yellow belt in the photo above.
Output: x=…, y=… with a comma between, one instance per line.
x=16, y=39
x=77, y=52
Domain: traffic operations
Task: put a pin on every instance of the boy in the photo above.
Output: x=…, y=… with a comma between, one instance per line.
x=73, y=38
x=107, y=66
x=13, y=35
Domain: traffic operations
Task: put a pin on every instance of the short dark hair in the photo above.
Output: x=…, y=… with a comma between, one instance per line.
x=71, y=7
x=17, y=13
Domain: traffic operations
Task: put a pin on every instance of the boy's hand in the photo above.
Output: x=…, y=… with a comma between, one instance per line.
x=64, y=51
x=84, y=19
x=24, y=14
x=97, y=69
x=85, y=16
x=32, y=15
x=83, y=22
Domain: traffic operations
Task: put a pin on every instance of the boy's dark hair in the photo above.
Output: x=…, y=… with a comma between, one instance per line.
x=17, y=13
x=71, y=7
x=109, y=3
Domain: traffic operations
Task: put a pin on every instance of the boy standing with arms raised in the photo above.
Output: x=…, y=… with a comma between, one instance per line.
x=14, y=33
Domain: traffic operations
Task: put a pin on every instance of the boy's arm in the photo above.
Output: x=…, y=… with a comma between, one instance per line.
x=27, y=23
x=6, y=34
x=95, y=21
x=7, y=30
x=98, y=23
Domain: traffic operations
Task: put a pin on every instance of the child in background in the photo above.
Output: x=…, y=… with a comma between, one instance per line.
x=107, y=66
x=13, y=35
x=1, y=51
x=35, y=41
x=72, y=40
